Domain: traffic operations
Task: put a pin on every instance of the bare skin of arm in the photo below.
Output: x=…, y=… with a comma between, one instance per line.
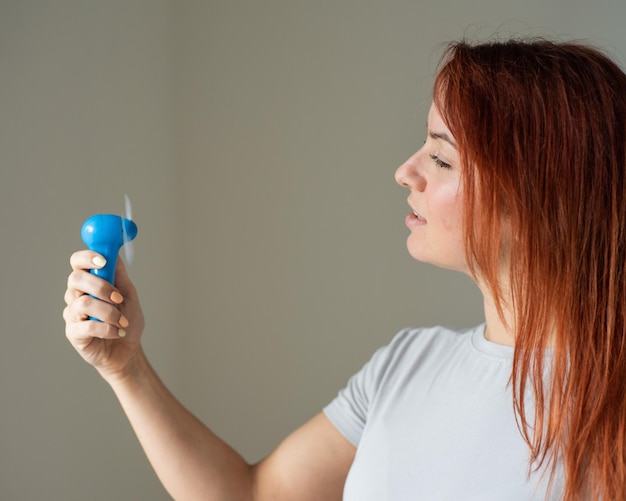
x=190, y=460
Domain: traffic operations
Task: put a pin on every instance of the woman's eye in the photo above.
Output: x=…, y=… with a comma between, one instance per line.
x=440, y=162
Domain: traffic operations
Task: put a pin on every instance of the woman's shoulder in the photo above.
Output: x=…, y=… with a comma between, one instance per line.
x=437, y=337
x=425, y=345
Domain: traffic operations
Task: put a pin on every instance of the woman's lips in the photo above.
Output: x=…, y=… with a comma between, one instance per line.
x=414, y=220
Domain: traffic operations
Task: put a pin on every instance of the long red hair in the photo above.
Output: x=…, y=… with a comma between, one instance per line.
x=541, y=129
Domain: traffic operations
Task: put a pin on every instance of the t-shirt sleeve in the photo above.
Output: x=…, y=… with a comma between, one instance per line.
x=348, y=412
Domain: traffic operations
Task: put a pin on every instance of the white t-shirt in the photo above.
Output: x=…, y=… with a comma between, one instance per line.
x=432, y=418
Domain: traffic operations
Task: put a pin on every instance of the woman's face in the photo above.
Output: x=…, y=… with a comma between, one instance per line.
x=433, y=176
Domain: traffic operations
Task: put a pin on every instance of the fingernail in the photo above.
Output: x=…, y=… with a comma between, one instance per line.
x=116, y=297
x=121, y=333
x=99, y=261
x=123, y=321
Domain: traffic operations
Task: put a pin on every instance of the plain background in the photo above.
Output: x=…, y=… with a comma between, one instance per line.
x=258, y=142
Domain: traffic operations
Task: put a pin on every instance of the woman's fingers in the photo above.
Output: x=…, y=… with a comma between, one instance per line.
x=84, y=331
x=86, y=260
x=81, y=281
x=85, y=307
x=109, y=342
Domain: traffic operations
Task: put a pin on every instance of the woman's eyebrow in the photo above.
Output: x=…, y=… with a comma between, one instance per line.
x=443, y=136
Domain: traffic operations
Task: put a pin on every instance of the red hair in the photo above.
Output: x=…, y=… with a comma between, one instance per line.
x=541, y=129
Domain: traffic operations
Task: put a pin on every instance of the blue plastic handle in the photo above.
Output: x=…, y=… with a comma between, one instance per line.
x=105, y=234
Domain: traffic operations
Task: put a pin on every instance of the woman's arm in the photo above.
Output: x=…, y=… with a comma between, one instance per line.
x=189, y=459
x=194, y=463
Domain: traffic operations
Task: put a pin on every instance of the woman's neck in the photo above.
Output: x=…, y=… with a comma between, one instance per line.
x=498, y=330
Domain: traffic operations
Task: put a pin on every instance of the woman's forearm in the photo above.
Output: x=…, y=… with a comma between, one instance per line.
x=189, y=459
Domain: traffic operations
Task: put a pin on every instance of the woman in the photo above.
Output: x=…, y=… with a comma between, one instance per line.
x=520, y=183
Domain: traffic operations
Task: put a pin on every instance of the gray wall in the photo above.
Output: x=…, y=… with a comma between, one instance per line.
x=258, y=142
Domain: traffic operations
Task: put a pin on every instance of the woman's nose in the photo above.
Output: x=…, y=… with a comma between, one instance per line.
x=409, y=175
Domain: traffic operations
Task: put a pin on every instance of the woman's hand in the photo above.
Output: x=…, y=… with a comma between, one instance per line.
x=112, y=344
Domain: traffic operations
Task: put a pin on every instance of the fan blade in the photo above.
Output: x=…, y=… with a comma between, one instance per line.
x=129, y=251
